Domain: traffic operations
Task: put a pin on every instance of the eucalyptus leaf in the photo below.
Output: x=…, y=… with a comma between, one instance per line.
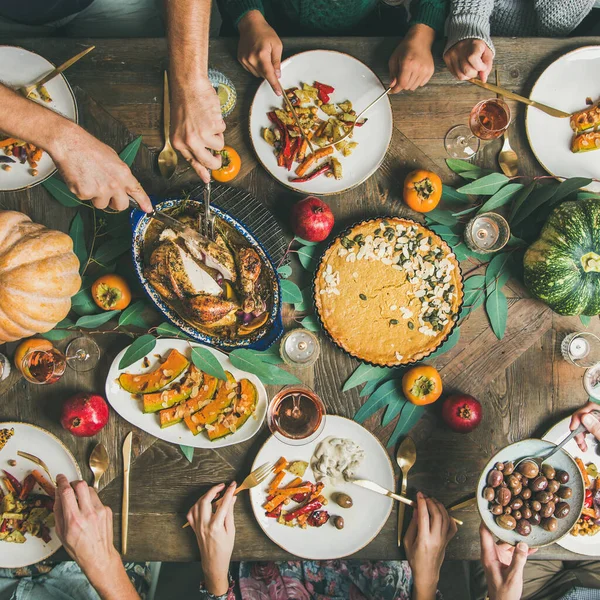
x=116, y=224
x=247, y=360
x=206, y=361
x=536, y=199
x=284, y=271
x=363, y=373
x=587, y=195
x=77, y=235
x=473, y=291
x=501, y=197
x=585, y=320
x=290, y=292
x=448, y=235
x=305, y=242
x=373, y=384
x=389, y=392
x=473, y=175
x=449, y=194
x=167, y=329
x=311, y=323
x=447, y=345
x=410, y=415
x=133, y=315
x=91, y=321
x=187, y=451
x=462, y=213
x=515, y=242
x=443, y=217
x=140, y=348
x=82, y=303
x=460, y=166
x=60, y=331
x=486, y=186
x=271, y=355
x=520, y=199
x=112, y=249
x=391, y=412
x=130, y=151
x=494, y=270
x=496, y=308
x=306, y=255
x=60, y=192
x=306, y=303
x=569, y=186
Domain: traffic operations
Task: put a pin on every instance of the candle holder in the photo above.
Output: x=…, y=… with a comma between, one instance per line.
x=300, y=348
x=487, y=233
x=4, y=367
x=581, y=349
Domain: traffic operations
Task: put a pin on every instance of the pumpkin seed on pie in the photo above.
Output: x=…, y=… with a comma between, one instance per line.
x=394, y=298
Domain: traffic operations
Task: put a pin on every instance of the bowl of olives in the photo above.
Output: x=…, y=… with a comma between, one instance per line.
x=519, y=502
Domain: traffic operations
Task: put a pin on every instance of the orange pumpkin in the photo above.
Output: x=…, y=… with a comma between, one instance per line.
x=422, y=190
x=422, y=385
x=231, y=163
x=38, y=275
x=111, y=292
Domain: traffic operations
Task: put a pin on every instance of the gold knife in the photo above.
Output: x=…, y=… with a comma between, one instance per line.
x=293, y=111
x=461, y=505
x=125, y=504
x=553, y=112
x=27, y=89
x=375, y=487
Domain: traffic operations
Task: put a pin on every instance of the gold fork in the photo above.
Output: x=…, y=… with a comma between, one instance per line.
x=37, y=461
x=255, y=478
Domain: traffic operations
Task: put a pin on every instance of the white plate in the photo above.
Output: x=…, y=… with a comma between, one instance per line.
x=21, y=67
x=131, y=410
x=589, y=545
x=41, y=443
x=363, y=521
x=565, y=85
x=353, y=81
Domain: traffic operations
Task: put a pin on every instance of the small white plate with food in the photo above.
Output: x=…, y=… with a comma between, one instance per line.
x=585, y=536
x=30, y=165
x=27, y=531
x=328, y=90
x=568, y=147
x=300, y=510
x=167, y=396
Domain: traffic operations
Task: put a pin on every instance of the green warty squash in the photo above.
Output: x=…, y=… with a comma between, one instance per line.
x=562, y=267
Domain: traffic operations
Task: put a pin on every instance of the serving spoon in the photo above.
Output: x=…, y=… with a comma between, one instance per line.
x=99, y=463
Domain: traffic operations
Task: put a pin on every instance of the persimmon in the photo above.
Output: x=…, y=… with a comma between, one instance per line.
x=111, y=292
x=231, y=163
x=27, y=346
x=422, y=190
x=422, y=385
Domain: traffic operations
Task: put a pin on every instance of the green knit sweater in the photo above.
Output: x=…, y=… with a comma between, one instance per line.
x=335, y=16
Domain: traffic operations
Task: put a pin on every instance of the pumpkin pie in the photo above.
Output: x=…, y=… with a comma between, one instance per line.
x=388, y=291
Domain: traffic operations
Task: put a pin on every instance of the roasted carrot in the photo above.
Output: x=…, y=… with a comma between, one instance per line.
x=46, y=485
x=274, y=502
x=276, y=482
x=9, y=486
x=305, y=165
x=586, y=477
x=8, y=142
x=280, y=465
x=285, y=492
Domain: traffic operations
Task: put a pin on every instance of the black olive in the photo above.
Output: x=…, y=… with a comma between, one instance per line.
x=506, y=522
x=562, y=476
x=550, y=524
x=529, y=469
x=538, y=484
x=562, y=510
x=564, y=492
x=523, y=527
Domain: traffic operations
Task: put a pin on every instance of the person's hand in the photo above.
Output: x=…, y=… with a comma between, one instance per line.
x=503, y=565
x=197, y=125
x=469, y=58
x=411, y=65
x=260, y=48
x=592, y=424
x=215, y=532
x=93, y=171
x=427, y=536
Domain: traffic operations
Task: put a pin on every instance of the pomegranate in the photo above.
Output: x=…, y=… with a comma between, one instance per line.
x=84, y=414
x=312, y=219
x=461, y=412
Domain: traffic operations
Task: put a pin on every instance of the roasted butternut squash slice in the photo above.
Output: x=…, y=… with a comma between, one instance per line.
x=244, y=406
x=164, y=374
x=177, y=393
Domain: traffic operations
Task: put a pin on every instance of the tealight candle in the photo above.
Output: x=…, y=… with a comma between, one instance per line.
x=300, y=347
x=488, y=232
x=581, y=349
x=4, y=367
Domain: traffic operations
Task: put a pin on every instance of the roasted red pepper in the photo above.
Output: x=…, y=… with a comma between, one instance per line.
x=326, y=88
x=286, y=148
x=323, y=92
x=324, y=169
x=304, y=496
x=4, y=526
x=589, y=499
x=28, y=484
x=303, y=510
x=14, y=482
x=42, y=501
x=295, y=145
x=318, y=518
x=276, y=513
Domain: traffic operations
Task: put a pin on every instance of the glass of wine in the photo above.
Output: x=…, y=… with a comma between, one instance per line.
x=43, y=367
x=296, y=415
x=82, y=354
x=488, y=120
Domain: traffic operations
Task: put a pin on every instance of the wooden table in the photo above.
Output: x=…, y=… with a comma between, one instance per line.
x=524, y=384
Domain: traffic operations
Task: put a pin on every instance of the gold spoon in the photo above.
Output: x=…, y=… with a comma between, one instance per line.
x=507, y=159
x=405, y=457
x=99, y=462
x=167, y=159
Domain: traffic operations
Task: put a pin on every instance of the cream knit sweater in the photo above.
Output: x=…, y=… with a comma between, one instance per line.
x=483, y=18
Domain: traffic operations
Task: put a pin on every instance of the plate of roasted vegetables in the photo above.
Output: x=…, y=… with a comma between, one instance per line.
x=585, y=535
x=22, y=164
x=568, y=147
x=224, y=293
x=320, y=517
x=167, y=395
x=27, y=528
x=327, y=91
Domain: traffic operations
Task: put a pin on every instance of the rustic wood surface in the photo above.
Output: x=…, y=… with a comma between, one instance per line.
x=522, y=381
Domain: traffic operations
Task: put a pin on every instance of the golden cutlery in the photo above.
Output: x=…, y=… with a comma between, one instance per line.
x=37, y=461
x=375, y=487
x=405, y=457
x=465, y=504
x=295, y=115
x=507, y=159
x=209, y=222
x=358, y=116
x=255, y=478
x=99, y=462
x=27, y=89
x=167, y=159
x=553, y=112
x=125, y=504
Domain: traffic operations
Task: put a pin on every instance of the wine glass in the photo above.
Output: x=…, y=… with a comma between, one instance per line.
x=43, y=367
x=488, y=120
x=82, y=354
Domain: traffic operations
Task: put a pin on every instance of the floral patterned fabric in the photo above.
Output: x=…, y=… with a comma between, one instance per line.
x=327, y=580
